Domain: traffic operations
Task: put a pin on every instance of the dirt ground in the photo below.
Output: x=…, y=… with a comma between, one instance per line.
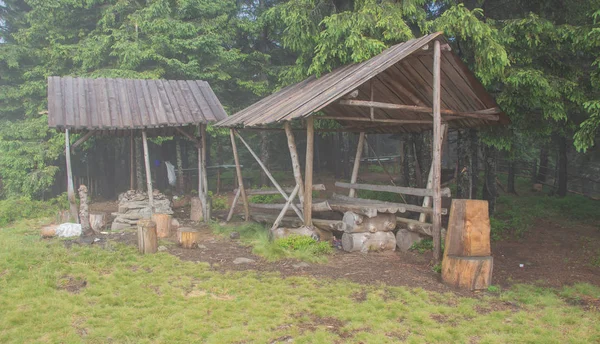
x=552, y=255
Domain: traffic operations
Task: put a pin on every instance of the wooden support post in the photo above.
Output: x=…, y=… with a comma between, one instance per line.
x=295, y=160
x=359, y=149
x=437, y=151
x=308, y=170
x=427, y=200
x=148, y=173
x=269, y=175
x=240, y=179
x=70, y=187
x=285, y=207
x=131, y=162
x=233, y=204
x=205, y=201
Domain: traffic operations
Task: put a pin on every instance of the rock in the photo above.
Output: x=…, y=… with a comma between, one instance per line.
x=234, y=235
x=301, y=265
x=202, y=247
x=162, y=248
x=243, y=260
x=405, y=239
x=117, y=226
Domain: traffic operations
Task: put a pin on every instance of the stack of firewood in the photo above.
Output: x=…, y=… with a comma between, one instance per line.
x=363, y=233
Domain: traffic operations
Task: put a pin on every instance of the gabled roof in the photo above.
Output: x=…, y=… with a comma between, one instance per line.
x=125, y=104
x=401, y=74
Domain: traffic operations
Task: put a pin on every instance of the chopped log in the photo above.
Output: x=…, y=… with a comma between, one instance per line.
x=84, y=213
x=338, y=201
x=473, y=273
x=188, y=237
x=416, y=226
x=174, y=225
x=308, y=170
x=365, y=242
x=538, y=187
x=355, y=223
x=48, y=231
x=328, y=225
x=468, y=229
x=196, y=212
x=273, y=191
x=163, y=224
x=405, y=239
x=147, y=240
x=97, y=221
x=393, y=189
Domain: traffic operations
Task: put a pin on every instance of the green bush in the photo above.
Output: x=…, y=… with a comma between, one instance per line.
x=422, y=246
x=304, y=243
x=14, y=209
x=265, y=199
x=218, y=202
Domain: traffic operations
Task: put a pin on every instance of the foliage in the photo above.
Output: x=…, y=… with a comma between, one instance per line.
x=218, y=202
x=14, y=209
x=422, y=246
x=304, y=243
x=265, y=199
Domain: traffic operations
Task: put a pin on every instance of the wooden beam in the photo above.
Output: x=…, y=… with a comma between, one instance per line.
x=233, y=204
x=70, y=187
x=295, y=160
x=394, y=189
x=308, y=170
x=356, y=167
x=378, y=204
x=377, y=120
x=188, y=135
x=131, y=162
x=252, y=192
x=82, y=139
x=238, y=170
x=285, y=207
x=437, y=154
x=269, y=175
x=322, y=206
x=148, y=173
x=427, y=200
x=487, y=114
x=203, y=151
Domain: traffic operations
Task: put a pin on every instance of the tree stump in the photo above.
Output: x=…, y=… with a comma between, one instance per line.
x=196, y=212
x=354, y=223
x=48, y=231
x=365, y=242
x=147, y=240
x=405, y=239
x=97, y=221
x=188, y=237
x=468, y=229
x=163, y=224
x=473, y=273
x=84, y=214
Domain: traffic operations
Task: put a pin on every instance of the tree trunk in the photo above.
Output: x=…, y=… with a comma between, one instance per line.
x=490, y=190
x=365, y=242
x=84, y=214
x=147, y=240
x=264, y=156
x=562, y=167
x=543, y=169
x=474, y=168
x=511, y=177
x=139, y=172
x=179, y=162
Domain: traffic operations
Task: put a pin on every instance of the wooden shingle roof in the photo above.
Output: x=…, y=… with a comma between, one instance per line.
x=125, y=104
x=401, y=74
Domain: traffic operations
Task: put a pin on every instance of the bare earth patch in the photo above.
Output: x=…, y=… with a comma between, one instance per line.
x=71, y=284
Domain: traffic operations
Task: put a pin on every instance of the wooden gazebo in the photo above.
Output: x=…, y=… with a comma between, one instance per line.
x=414, y=86
x=124, y=107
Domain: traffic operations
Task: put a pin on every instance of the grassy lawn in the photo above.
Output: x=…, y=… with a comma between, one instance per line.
x=49, y=293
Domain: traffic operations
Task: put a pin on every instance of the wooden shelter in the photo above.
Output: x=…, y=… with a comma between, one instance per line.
x=130, y=108
x=414, y=86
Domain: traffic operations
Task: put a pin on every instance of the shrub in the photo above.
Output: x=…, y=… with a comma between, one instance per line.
x=304, y=243
x=14, y=209
x=218, y=202
x=422, y=246
x=376, y=169
x=265, y=199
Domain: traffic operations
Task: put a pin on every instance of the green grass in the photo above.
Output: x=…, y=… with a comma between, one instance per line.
x=257, y=236
x=158, y=298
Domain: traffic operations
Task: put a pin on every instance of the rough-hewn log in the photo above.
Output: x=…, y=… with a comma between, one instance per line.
x=437, y=154
x=240, y=179
x=355, y=223
x=82, y=139
x=468, y=229
x=289, y=221
x=233, y=205
x=286, y=207
x=295, y=160
x=147, y=240
x=84, y=212
x=188, y=237
x=308, y=170
x=355, y=168
x=365, y=242
x=252, y=192
x=445, y=191
x=148, y=173
x=416, y=226
x=394, y=189
x=316, y=207
x=473, y=273
x=163, y=224
x=97, y=221
x=196, y=213
x=48, y=231
x=70, y=187
x=405, y=239
x=340, y=202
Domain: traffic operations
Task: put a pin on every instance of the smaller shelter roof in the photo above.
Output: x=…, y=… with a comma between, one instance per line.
x=400, y=80
x=122, y=105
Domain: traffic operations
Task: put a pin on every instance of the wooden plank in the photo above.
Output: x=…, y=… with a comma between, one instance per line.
x=70, y=187
x=131, y=162
x=357, y=157
x=321, y=206
x=53, y=111
x=83, y=139
x=195, y=115
x=437, y=155
x=295, y=160
x=336, y=199
x=286, y=207
x=210, y=100
x=113, y=104
x=147, y=114
x=377, y=120
x=308, y=171
x=269, y=175
x=136, y=113
x=184, y=109
x=157, y=91
x=238, y=170
x=123, y=101
x=206, y=204
x=82, y=109
x=148, y=172
x=187, y=135
x=479, y=114
x=427, y=200
x=252, y=192
x=199, y=97
x=394, y=189
x=233, y=204
x=68, y=102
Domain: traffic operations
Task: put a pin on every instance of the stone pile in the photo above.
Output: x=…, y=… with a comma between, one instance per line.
x=134, y=205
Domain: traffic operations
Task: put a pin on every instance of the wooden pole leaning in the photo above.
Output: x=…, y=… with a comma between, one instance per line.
x=240, y=179
x=357, y=157
x=233, y=204
x=269, y=175
x=285, y=207
x=308, y=170
x=437, y=151
x=70, y=187
x=295, y=160
x=148, y=173
x=427, y=200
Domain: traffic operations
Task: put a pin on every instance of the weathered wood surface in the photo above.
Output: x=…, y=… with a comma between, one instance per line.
x=188, y=237
x=468, y=229
x=147, y=239
x=84, y=212
x=70, y=187
x=355, y=223
x=293, y=222
x=97, y=221
x=355, y=168
x=344, y=203
x=308, y=170
x=163, y=224
x=63, y=216
x=233, y=205
x=393, y=189
x=240, y=178
x=316, y=207
x=196, y=212
x=205, y=199
x=295, y=160
x=473, y=273
x=148, y=173
x=405, y=239
x=252, y=192
x=376, y=120
x=286, y=207
x=365, y=242
x=427, y=200
x=437, y=154
x=416, y=226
